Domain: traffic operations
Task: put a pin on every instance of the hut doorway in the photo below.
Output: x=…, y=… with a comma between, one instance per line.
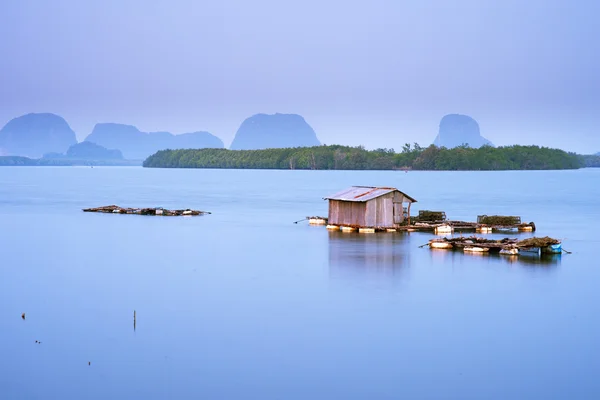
x=398, y=208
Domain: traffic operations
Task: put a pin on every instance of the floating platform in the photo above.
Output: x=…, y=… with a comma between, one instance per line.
x=462, y=226
x=531, y=246
x=445, y=228
x=435, y=222
x=317, y=220
x=112, y=209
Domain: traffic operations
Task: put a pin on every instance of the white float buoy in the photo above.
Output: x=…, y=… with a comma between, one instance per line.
x=440, y=245
x=475, y=249
x=442, y=229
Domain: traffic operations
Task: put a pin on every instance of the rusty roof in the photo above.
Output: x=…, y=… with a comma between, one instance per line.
x=364, y=193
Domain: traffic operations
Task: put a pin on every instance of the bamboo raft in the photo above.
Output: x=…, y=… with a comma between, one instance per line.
x=113, y=209
x=436, y=222
x=463, y=226
x=484, y=224
x=445, y=227
x=316, y=220
x=506, y=246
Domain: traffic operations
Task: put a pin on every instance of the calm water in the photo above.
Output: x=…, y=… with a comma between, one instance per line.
x=245, y=304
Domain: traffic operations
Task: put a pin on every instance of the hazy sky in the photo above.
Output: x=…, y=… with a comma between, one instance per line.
x=378, y=73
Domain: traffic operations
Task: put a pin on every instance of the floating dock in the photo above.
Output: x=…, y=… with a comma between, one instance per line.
x=145, y=211
x=447, y=227
x=435, y=222
x=444, y=227
x=506, y=246
x=317, y=220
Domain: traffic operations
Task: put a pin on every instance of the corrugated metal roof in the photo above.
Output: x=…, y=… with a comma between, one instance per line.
x=363, y=193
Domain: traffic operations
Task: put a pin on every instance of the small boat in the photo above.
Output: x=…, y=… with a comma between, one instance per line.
x=525, y=228
x=440, y=245
x=530, y=251
x=475, y=249
x=552, y=249
x=505, y=229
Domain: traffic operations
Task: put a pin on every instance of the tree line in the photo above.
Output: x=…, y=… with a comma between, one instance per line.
x=337, y=157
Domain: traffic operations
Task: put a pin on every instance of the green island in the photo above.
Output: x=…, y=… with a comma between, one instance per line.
x=412, y=157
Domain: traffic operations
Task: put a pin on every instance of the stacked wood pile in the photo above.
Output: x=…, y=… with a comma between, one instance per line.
x=144, y=211
x=509, y=220
x=462, y=242
x=505, y=246
x=480, y=240
x=538, y=242
x=430, y=216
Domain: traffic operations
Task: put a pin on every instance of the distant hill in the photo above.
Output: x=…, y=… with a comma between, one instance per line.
x=33, y=135
x=592, y=160
x=56, y=159
x=16, y=161
x=263, y=131
x=87, y=151
x=93, y=151
x=457, y=130
x=137, y=145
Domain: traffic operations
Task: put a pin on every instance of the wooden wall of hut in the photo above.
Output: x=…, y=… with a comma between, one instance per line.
x=348, y=213
x=385, y=211
x=380, y=211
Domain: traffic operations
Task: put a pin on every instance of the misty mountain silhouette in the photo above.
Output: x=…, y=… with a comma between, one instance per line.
x=35, y=134
x=263, y=131
x=456, y=130
x=137, y=145
x=88, y=151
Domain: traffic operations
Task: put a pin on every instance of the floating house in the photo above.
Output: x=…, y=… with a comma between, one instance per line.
x=369, y=207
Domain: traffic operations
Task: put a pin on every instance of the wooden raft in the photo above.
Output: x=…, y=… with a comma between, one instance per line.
x=145, y=211
x=503, y=246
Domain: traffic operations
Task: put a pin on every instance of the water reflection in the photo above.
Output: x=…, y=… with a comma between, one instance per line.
x=544, y=260
x=382, y=255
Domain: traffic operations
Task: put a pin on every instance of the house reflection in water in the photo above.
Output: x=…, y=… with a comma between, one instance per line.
x=377, y=255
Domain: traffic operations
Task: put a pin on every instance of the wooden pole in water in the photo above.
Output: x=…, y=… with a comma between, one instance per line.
x=134, y=320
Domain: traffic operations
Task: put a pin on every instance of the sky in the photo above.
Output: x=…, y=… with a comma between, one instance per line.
x=378, y=73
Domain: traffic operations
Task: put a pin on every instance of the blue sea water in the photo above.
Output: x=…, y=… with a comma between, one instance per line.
x=245, y=304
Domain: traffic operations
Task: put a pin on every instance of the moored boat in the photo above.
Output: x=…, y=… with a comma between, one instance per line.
x=530, y=251
x=552, y=249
